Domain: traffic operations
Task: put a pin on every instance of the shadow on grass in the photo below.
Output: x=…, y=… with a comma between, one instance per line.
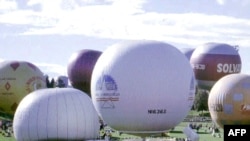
x=180, y=132
x=174, y=131
x=203, y=133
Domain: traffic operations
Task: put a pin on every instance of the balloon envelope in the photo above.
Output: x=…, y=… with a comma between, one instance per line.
x=229, y=100
x=56, y=114
x=187, y=52
x=212, y=61
x=136, y=86
x=80, y=68
x=17, y=79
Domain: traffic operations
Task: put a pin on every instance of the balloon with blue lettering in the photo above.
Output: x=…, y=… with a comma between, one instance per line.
x=211, y=61
x=141, y=87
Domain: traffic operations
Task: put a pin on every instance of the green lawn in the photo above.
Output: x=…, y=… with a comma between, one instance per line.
x=177, y=132
x=204, y=134
x=2, y=138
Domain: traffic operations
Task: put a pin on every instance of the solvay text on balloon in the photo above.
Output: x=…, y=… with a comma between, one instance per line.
x=228, y=68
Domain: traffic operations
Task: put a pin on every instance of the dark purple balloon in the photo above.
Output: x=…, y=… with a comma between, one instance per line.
x=80, y=68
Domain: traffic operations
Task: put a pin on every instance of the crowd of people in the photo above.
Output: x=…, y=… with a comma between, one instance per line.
x=60, y=82
x=6, y=128
x=210, y=128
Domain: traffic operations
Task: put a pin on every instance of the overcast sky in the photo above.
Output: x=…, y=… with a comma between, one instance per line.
x=48, y=32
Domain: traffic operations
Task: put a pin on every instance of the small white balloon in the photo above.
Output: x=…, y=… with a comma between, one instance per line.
x=58, y=113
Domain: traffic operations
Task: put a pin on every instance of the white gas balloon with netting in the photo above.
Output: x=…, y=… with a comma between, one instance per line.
x=142, y=86
x=56, y=114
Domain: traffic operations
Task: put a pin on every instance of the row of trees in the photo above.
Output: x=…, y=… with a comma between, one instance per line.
x=201, y=100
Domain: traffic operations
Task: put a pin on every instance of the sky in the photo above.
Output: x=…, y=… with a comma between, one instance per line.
x=48, y=32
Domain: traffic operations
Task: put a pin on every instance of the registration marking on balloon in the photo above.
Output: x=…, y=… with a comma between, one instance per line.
x=157, y=111
x=107, y=92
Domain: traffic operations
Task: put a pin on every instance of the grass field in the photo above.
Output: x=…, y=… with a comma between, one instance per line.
x=177, y=132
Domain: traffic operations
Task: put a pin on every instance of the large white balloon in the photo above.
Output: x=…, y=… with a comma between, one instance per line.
x=56, y=114
x=142, y=86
